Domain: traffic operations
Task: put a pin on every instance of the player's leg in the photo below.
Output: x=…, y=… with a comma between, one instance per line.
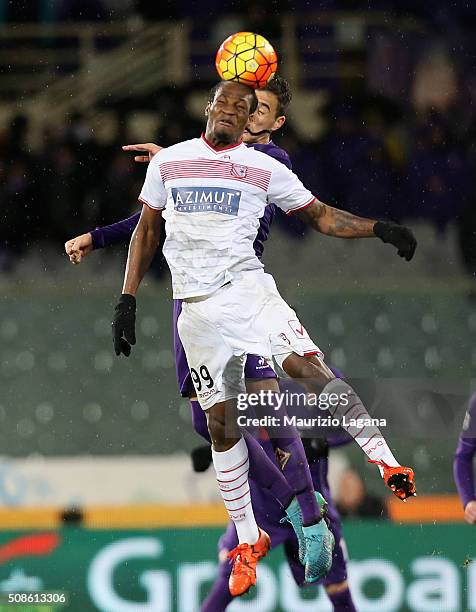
x=219, y=596
x=260, y=379
x=335, y=582
x=231, y=462
x=304, y=512
x=317, y=378
x=217, y=374
x=263, y=471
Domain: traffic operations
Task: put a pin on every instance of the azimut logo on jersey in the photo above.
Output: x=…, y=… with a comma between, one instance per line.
x=206, y=199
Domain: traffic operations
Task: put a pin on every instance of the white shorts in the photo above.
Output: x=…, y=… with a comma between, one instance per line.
x=246, y=316
x=286, y=332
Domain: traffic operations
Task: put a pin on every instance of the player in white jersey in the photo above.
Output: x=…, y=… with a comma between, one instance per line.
x=212, y=191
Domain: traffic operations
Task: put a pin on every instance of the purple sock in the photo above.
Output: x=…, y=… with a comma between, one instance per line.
x=296, y=471
x=219, y=597
x=342, y=601
x=199, y=420
x=266, y=473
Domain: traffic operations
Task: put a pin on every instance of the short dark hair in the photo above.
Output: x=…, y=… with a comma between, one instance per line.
x=254, y=99
x=281, y=89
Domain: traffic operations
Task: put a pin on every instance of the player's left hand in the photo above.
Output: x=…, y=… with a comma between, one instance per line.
x=124, y=324
x=400, y=236
x=150, y=148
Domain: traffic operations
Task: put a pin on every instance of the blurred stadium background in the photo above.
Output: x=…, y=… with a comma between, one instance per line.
x=94, y=449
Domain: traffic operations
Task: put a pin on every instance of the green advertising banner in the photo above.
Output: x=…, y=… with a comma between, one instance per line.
x=423, y=568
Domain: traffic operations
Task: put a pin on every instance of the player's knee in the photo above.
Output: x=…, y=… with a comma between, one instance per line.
x=222, y=439
x=311, y=370
x=216, y=428
x=218, y=432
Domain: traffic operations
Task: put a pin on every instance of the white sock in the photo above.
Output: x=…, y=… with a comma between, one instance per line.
x=369, y=437
x=232, y=468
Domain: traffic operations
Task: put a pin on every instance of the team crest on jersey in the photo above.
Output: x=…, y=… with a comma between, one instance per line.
x=238, y=170
x=206, y=199
x=282, y=457
x=298, y=329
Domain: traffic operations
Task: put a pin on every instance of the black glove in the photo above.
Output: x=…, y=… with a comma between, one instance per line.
x=400, y=236
x=201, y=458
x=124, y=324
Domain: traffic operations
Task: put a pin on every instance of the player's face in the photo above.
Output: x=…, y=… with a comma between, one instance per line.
x=229, y=112
x=265, y=119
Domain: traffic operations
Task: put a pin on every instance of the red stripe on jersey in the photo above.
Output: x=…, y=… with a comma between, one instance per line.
x=302, y=207
x=204, y=168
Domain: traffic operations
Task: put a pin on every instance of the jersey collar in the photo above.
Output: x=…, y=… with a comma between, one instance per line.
x=218, y=151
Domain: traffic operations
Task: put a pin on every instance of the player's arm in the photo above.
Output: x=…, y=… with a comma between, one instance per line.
x=342, y=224
x=286, y=190
x=144, y=242
x=464, y=477
x=100, y=238
x=143, y=245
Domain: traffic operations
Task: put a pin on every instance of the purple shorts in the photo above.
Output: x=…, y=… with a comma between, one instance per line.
x=255, y=368
x=268, y=514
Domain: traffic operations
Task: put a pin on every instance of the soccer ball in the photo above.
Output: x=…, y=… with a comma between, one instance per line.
x=246, y=58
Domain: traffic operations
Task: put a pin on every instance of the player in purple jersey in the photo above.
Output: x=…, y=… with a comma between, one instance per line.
x=463, y=463
x=269, y=515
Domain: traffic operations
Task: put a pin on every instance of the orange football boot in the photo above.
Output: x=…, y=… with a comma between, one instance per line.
x=245, y=558
x=401, y=480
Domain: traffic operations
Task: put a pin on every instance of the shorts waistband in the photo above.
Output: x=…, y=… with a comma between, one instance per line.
x=202, y=298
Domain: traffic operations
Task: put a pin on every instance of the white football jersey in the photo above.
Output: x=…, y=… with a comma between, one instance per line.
x=212, y=202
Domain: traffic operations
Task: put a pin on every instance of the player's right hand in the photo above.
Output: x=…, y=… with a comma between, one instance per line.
x=124, y=324
x=79, y=247
x=400, y=236
x=147, y=147
x=470, y=513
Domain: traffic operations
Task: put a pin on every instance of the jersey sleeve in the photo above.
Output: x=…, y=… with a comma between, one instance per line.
x=281, y=156
x=286, y=190
x=153, y=192
x=107, y=235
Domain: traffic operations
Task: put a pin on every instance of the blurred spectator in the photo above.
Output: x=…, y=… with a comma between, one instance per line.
x=438, y=175
x=435, y=85
x=353, y=501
